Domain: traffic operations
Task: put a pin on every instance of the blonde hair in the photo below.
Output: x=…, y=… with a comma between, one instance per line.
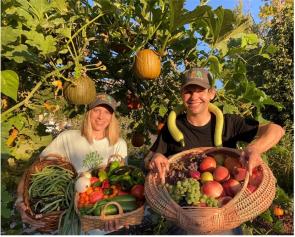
x=112, y=131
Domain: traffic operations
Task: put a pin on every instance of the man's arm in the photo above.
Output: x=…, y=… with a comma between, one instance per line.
x=268, y=135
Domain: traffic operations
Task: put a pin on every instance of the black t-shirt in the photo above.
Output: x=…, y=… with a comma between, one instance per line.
x=236, y=128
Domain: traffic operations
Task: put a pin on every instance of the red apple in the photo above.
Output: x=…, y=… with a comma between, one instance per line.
x=231, y=163
x=223, y=200
x=239, y=173
x=232, y=187
x=251, y=188
x=212, y=189
x=221, y=174
x=207, y=164
x=256, y=177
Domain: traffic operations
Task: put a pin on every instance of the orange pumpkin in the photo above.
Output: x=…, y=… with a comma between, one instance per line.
x=277, y=211
x=147, y=65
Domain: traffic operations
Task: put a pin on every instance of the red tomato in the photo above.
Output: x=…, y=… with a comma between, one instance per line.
x=95, y=196
x=138, y=191
x=93, y=180
x=105, y=184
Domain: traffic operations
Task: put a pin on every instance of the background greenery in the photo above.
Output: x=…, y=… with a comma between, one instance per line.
x=48, y=41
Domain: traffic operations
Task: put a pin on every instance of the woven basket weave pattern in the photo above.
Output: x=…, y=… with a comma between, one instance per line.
x=207, y=220
x=50, y=219
x=98, y=222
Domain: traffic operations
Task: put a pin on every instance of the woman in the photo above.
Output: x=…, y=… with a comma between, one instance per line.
x=99, y=136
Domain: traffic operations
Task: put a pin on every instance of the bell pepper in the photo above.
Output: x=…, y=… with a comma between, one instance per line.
x=95, y=196
x=105, y=184
x=115, y=164
x=102, y=175
x=93, y=180
x=137, y=176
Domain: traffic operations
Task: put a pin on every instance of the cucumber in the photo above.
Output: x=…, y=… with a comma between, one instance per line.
x=113, y=210
x=123, y=198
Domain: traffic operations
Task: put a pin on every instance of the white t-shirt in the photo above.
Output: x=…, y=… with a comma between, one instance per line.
x=70, y=144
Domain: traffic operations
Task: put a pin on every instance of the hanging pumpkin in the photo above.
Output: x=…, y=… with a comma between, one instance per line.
x=147, y=64
x=82, y=91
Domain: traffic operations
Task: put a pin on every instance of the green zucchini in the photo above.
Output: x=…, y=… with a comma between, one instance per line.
x=123, y=198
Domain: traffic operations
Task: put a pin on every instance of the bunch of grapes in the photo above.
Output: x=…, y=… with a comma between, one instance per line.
x=188, y=188
x=209, y=201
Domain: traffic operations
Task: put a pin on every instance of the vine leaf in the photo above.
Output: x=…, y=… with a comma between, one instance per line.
x=5, y=200
x=9, y=83
x=45, y=44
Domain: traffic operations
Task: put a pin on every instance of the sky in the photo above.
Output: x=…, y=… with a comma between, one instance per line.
x=249, y=6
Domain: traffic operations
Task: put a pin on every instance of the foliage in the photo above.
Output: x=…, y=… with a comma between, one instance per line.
x=48, y=43
x=275, y=76
x=281, y=160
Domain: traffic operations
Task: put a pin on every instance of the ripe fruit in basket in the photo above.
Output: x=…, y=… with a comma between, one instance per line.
x=231, y=163
x=212, y=189
x=82, y=184
x=206, y=176
x=195, y=174
x=221, y=174
x=232, y=187
x=256, y=177
x=251, y=188
x=138, y=191
x=207, y=164
x=239, y=173
x=223, y=200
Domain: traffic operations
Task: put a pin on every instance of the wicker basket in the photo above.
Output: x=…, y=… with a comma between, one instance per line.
x=98, y=222
x=50, y=219
x=208, y=220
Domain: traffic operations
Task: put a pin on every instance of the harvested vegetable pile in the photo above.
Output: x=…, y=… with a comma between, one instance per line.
x=49, y=189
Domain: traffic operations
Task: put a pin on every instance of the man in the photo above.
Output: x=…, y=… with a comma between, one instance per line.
x=197, y=126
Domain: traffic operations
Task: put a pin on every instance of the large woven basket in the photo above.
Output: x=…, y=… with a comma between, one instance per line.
x=89, y=222
x=49, y=219
x=209, y=220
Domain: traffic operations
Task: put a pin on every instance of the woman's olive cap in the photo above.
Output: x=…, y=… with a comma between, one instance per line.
x=103, y=99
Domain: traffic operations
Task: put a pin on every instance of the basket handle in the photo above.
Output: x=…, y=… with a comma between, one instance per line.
x=103, y=216
x=52, y=156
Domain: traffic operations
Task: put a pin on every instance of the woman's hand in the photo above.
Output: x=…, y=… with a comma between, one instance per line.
x=159, y=163
x=250, y=158
x=113, y=225
x=35, y=224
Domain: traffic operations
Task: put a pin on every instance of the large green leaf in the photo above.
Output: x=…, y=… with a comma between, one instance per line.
x=249, y=92
x=45, y=44
x=9, y=35
x=19, y=54
x=9, y=83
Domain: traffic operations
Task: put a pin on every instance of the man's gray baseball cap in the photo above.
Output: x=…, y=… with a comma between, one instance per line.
x=196, y=76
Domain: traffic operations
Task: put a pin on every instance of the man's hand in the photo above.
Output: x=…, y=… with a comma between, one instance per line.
x=250, y=158
x=35, y=224
x=160, y=164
